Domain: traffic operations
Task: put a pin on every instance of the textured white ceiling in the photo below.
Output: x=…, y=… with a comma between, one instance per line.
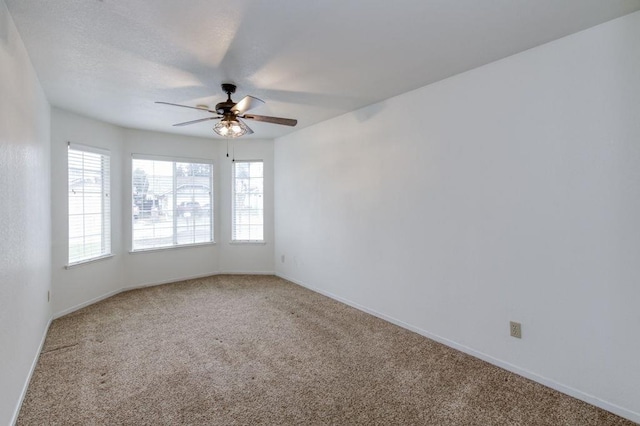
x=310, y=60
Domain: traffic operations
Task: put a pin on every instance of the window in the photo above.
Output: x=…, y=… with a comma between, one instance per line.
x=89, y=204
x=248, y=201
x=172, y=202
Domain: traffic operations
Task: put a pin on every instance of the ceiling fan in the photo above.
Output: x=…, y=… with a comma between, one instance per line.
x=231, y=114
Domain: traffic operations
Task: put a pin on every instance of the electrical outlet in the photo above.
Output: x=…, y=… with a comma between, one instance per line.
x=515, y=329
x=48, y=296
x=282, y=258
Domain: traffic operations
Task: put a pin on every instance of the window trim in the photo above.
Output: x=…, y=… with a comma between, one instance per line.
x=181, y=246
x=174, y=160
x=233, y=202
x=84, y=262
x=248, y=242
x=106, y=254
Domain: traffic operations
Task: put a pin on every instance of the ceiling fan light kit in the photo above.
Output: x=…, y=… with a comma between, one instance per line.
x=230, y=113
x=230, y=128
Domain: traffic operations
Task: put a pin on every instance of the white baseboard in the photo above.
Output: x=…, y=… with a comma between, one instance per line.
x=23, y=394
x=590, y=399
x=193, y=277
x=85, y=304
x=169, y=281
x=153, y=284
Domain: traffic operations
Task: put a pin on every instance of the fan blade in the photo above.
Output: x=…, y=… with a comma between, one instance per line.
x=245, y=104
x=186, y=106
x=275, y=120
x=249, y=131
x=186, y=123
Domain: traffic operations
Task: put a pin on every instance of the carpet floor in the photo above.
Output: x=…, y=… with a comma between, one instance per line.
x=258, y=350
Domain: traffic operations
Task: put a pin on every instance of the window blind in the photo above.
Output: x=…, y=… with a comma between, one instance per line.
x=89, y=203
x=248, y=201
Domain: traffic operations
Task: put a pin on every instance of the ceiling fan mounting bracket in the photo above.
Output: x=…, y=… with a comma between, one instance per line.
x=228, y=88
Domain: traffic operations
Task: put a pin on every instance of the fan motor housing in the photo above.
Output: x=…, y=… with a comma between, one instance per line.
x=223, y=108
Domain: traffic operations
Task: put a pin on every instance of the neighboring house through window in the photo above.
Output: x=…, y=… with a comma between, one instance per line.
x=172, y=202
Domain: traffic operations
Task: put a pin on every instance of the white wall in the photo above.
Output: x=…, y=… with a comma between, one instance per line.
x=86, y=283
x=241, y=258
x=510, y=192
x=25, y=234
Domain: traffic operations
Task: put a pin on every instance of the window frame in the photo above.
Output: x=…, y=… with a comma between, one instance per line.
x=175, y=160
x=106, y=236
x=233, y=203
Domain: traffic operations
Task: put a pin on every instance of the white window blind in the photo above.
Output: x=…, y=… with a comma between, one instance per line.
x=172, y=202
x=89, y=203
x=248, y=201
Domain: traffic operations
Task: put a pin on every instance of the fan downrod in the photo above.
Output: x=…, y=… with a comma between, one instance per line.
x=224, y=108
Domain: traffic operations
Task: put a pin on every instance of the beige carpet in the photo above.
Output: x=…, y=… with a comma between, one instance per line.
x=247, y=350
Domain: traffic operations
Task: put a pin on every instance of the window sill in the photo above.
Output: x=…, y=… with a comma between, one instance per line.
x=176, y=247
x=244, y=243
x=84, y=262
